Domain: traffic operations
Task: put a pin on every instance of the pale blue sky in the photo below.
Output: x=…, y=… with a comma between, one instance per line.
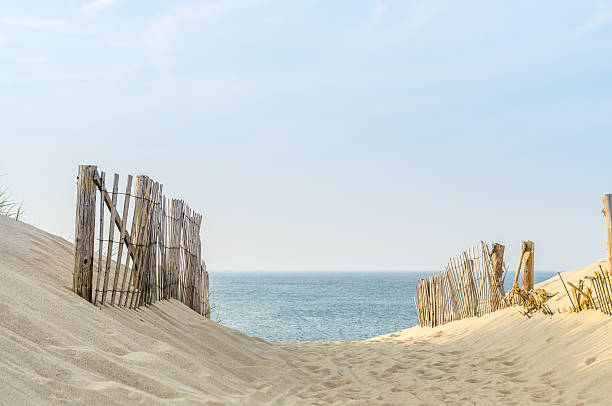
x=322, y=135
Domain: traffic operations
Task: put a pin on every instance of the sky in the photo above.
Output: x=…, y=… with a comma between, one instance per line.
x=318, y=135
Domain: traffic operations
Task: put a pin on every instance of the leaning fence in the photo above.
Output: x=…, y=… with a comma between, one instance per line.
x=471, y=285
x=149, y=253
x=597, y=295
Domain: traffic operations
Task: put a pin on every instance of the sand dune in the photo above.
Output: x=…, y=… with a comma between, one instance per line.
x=55, y=348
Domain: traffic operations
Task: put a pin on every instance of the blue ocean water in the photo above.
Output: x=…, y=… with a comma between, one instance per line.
x=311, y=306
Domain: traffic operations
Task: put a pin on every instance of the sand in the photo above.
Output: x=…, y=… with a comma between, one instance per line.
x=55, y=348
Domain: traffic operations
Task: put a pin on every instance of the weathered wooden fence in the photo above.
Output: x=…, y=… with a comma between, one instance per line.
x=470, y=286
x=599, y=295
x=160, y=238
x=601, y=283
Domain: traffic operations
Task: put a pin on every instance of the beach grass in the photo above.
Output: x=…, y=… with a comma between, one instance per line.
x=9, y=207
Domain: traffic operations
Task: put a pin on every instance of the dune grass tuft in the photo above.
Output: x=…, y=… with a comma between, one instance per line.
x=8, y=206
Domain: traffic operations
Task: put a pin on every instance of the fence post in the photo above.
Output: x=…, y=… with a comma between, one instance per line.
x=497, y=259
x=528, y=247
x=84, y=232
x=607, y=208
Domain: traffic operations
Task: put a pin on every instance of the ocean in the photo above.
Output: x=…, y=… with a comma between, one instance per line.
x=312, y=306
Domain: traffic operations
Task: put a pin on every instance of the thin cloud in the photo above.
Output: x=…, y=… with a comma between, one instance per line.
x=33, y=59
x=602, y=16
x=163, y=27
x=117, y=72
x=378, y=13
x=37, y=24
x=98, y=5
x=161, y=31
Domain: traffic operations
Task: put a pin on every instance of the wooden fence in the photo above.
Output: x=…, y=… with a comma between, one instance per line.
x=600, y=293
x=160, y=238
x=470, y=286
x=597, y=296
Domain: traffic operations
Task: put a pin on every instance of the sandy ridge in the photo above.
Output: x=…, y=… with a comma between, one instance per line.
x=56, y=348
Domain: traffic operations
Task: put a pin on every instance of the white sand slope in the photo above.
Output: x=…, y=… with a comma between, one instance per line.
x=55, y=348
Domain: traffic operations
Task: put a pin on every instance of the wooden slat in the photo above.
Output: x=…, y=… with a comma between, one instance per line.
x=181, y=251
x=123, y=231
x=156, y=277
x=100, y=240
x=165, y=251
x=162, y=249
x=111, y=234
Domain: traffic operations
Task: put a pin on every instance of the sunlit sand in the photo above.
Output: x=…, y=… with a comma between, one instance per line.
x=58, y=348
